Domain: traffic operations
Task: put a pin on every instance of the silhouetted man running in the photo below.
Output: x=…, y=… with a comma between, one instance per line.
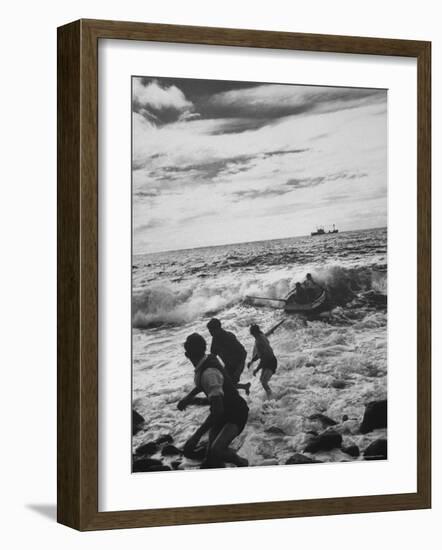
x=232, y=353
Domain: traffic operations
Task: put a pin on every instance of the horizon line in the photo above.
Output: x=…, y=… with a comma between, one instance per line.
x=254, y=241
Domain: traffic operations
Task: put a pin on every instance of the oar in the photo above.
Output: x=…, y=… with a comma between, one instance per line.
x=272, y=330
x=265, y=298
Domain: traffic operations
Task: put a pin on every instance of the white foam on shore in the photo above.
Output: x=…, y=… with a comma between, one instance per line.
x=311, y=358
x=347, y=348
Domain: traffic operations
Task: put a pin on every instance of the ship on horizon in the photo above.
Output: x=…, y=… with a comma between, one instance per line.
x=321, y=231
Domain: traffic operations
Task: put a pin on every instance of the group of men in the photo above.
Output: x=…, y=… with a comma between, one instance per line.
x=307, y=291
x=228, y=410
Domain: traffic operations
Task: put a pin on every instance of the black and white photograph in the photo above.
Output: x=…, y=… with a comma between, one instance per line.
x=259, y=274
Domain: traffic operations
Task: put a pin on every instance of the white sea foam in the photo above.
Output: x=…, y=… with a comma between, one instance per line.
x=176, y=294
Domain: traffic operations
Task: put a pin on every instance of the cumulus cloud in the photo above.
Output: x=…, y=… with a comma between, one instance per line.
x=206, y=162
x=157, y=97
x=161, y=104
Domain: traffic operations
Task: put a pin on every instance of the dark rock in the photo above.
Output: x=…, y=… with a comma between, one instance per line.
x=208, y=464
x=161, y=468
x=375, y=416
x=323, y=419
x=147, y=449
x=137, y=422
x=339, y=384
x=166, y=438
x=377, y=299
x=299, y=458
x=170, y=450
x=325, y=442
x=377, y=450
x=312, y=432
x=175, y=464
x=275, y=430
x=345, y=418
x=352, y=450
x=143, y=464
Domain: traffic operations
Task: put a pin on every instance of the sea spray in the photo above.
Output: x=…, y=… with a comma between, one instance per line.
x=331, y=365
x=179, y=303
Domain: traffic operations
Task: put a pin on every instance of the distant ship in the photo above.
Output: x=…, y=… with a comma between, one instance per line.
x=321, y=231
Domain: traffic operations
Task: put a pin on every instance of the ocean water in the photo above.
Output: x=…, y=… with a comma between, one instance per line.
x=333, y=363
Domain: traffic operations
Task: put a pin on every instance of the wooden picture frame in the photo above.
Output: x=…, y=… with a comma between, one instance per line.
x=78, y=274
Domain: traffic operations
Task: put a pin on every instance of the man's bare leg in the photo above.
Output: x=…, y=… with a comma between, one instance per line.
x=266, y=374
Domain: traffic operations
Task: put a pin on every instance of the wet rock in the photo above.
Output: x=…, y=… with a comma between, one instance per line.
x=170, y=450
x=352, y=450
x=325, y=442
x=274, y=430
x=339, y=384
x=137, y=422
x=299, y=458
x=161, y=468
x=376, y=299
x=144, y=464
x=375, y=416
x=325, y=420
x=377, y=450
x=147, y=449
x=166, y=438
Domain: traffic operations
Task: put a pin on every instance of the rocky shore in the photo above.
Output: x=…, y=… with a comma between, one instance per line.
x=324, y=439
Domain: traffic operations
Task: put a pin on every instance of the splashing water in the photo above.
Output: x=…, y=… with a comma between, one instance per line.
x=332, y=364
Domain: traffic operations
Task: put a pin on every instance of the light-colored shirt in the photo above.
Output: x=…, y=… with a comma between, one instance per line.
x=211, y=380
x=262, y=347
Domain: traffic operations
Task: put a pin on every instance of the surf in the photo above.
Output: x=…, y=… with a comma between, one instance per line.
x=178, y=303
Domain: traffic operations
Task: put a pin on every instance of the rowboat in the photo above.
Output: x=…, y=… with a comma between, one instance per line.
x=292, y=306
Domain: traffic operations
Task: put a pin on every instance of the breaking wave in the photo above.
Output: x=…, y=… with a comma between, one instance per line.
x=169, y=303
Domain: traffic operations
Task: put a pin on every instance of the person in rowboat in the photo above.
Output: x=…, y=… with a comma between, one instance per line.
x=264, y=352
x=228, y=410
x=313, y=289
x=300, y=294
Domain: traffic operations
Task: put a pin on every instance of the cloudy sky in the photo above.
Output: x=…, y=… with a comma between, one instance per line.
x=217, y=162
